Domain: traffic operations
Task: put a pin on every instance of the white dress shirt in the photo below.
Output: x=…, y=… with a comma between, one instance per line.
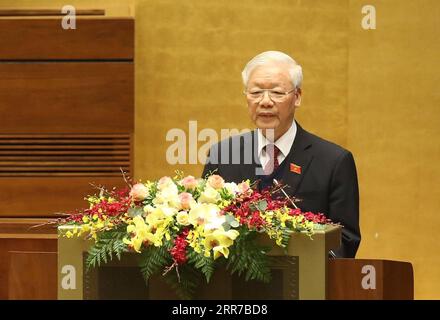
x=284, y=143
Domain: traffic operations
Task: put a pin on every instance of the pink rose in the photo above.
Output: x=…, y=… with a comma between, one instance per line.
x=189, y=182
x=216, y=181
x=185, y=199
x=139, y=192
x=243, y=187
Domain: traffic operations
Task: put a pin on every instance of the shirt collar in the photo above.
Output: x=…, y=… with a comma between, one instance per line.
x=284, y=143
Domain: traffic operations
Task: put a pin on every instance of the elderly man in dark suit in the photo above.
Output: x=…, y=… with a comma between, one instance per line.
x=318, y=172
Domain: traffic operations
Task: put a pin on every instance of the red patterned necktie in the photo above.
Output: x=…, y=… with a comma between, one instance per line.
x=273, y=152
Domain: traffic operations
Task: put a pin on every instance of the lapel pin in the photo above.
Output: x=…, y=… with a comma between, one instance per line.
x=295, y=168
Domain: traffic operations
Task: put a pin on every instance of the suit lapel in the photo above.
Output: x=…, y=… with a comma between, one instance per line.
x=299, y=156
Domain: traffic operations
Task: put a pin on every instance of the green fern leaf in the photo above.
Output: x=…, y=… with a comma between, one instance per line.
x=154, y=259
x=185, y=282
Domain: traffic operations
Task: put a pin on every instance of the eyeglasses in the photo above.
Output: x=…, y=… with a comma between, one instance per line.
x=275, y=95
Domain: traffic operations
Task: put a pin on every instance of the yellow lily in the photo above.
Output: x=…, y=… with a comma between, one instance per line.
x=218, y=241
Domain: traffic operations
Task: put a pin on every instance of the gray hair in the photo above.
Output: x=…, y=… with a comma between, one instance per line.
x=295, y=70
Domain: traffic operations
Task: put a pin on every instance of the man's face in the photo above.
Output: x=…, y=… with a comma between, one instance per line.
x=265, y=112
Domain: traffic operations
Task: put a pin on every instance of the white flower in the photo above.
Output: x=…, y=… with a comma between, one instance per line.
x=167, y=211
x=168, y=196
x=159, y=215
x=169, y=191
x=202, y=213
x=148, y=208
x=231, y=187
x=208, y=215
x=182, y=218
x=215, y=222
x=209, y=195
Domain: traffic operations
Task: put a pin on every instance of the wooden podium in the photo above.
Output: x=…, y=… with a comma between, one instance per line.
x=304, y=272
x=368, y=279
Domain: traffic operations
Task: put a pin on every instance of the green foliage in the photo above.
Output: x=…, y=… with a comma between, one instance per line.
x=153, y=260
x=248, y=257
x=205, y=264
x=286, y=233
x=197, y=191
x=152, y=194
x=106, y=245
x=210, y=173
x=180, y=188
x=133, y=212
x=230, y=221
x=259, y=206
x=225, y=194
x=184, y=280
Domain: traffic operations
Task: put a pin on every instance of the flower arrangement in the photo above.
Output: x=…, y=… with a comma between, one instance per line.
x=186, y=227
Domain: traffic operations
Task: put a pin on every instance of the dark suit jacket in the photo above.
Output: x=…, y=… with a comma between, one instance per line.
x=327, y=183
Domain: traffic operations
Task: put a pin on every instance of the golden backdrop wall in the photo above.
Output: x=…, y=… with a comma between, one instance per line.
x=394, y=132
x=372, y=91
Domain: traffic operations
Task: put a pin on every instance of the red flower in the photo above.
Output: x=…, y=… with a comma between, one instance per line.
x=178, y=252
x=316, y=217
x=116, y=209
x=247, y=208
x=295, y=212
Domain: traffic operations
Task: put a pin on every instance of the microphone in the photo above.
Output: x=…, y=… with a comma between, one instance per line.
x=332, y=254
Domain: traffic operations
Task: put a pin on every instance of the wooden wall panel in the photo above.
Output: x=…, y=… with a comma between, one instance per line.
x=68, y=97
x=44, y=196
x=101, y=38
x=47, y=244
x=67, y=120
x=31, y=228
x=31, y=275
x=394, y=280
